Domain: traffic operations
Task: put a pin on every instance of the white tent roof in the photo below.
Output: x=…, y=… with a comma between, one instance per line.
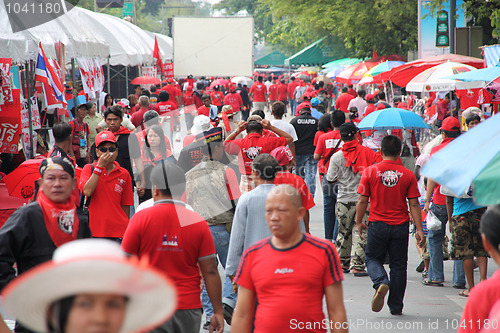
x=23, y=46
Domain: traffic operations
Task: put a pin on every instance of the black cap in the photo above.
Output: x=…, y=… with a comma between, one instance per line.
x=348, y=130
x=85, y=105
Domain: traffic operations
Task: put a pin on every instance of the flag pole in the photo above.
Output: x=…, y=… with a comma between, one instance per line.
x=27, y=73
x=73, y=78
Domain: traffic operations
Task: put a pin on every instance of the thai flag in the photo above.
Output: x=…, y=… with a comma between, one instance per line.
x=52, y=87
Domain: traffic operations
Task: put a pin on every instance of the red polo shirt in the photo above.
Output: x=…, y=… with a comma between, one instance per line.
x=388, y=184
x=173, y=91
x=166, y=109
x=114, y=190
x=259, y=91
x=291, y=88
x=282, y=90
x=342, y=102
x=285, y=177
x=325, y=145
x=250, y=147
x=217, y=98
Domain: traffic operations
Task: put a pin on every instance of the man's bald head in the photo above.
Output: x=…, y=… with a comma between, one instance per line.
x=292, y=193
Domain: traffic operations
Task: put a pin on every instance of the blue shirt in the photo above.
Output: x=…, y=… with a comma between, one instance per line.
x=462, y=206
x=315, y=113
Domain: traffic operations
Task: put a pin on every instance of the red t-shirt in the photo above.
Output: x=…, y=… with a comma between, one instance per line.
x=273, y=92
x=388, y=184
x=437, y=197
x=282, y=90
x=289, y=284
x=137, y=117
x=173, y=91
x=316, y=137
x=259, y=91
x=188, y=99
x=217, y=98
x=167, y=108
x=174, y=247
x=203, y=110
x=442, y=109
x=369, y=109
x=233, y=99
x=291, y=88
x=325, y=145
x=477, y=309
x=250, y=147
x=114, y=190
x=285, y=177
x=342, y=102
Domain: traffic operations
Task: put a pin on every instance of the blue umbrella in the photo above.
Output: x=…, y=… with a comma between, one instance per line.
x=460, y=163
x=392, y=118
x=483, y=74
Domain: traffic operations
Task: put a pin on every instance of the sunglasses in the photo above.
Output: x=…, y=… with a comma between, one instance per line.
x=110, y=149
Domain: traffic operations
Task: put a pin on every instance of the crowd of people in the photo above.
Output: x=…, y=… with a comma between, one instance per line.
x=239, y=192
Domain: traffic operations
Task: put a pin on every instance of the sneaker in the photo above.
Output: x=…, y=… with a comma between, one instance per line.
x=228, y=313
x=206, y=325
x=378, y=298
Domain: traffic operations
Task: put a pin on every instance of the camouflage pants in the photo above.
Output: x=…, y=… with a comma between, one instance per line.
x=350, y=247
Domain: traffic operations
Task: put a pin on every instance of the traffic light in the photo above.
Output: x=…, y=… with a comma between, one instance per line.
x=442, y=29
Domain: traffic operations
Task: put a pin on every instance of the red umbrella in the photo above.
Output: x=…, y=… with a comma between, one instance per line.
x=403, y=74
x=218, y=82
x=145, y=80
x=8, y=204
x=21, y=181
x=354, y=73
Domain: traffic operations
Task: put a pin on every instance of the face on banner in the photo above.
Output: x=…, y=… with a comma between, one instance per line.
x=10, y=124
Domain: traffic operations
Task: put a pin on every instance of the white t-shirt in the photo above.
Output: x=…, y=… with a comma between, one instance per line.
x=286, y=127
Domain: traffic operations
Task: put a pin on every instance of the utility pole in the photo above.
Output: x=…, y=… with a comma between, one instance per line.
x=453, y=7
x=134, y=18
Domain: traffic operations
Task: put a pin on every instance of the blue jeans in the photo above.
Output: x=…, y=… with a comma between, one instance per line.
x=293, y=106
x=435, y=244
x=329, y=213
x=221, y=241
x=307, y=167
x=392, y=239
x=458, y=273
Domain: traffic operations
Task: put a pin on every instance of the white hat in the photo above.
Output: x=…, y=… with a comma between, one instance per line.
x=92, y=266
x=201, y=123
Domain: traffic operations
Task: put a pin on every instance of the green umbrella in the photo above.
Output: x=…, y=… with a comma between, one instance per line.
x=342, y=62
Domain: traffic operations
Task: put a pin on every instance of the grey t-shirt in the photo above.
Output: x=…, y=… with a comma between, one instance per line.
x=347, y=180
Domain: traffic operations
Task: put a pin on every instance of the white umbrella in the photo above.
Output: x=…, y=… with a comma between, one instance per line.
x=243, y=80
x=432, y=79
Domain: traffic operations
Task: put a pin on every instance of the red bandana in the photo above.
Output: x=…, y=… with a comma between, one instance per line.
x=61, y=220
x=357, y=157
x=122, y=130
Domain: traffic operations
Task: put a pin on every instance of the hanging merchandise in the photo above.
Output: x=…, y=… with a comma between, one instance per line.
x=92, y=76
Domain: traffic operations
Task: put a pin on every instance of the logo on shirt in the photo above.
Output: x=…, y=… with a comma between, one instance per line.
x=118, y=188
x=121, y=181
x=171, y=241
x=390, y=178
x=252, y=152
x=306, y=121
x=283, y=270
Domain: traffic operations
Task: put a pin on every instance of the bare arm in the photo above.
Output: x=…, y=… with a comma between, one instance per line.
x=211, y=276
x=428, y=194
x=317, y=156
x=241, y=127
x=307, y=218
x=416, y=214
x=267, y=125
x=449, y=209
x=245, y=311
x=3, y=327
x=91, y=184
x=335, y=305
x=361, y=207
x=126, y=209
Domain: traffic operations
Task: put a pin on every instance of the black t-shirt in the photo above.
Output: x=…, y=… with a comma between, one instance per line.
x=305, y=126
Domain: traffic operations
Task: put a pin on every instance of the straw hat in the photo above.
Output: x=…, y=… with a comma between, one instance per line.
x=92, y=266
x=228, y=109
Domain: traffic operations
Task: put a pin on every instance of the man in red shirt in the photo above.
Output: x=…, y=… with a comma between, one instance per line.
x=258, y=94
x=217, y=98
x=138, y=115
x=450, y=130
x=443, y=110
x=288, y=261
x=273, y=92
x=391, y=188
x=253, y=145
x=370, y=104
x=291, y=89
x=175, y=94
x=181, y=248
x=110, y=188
x=327, y=145
x=207, y=109
x=233, y=98
x=284, y=156
x=169, y=112
x=282, y=90
x=342, y=102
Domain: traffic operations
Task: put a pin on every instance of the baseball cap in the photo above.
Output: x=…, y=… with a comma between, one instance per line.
x=84, y=105
x=125, y=103
x=450, y=124
x=348, y=130
x=370, y=98
x=104, y=136
x=170, y=80
x=315, y=102
x=283, y=154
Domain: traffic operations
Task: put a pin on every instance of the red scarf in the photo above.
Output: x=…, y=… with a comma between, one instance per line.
x=357, y=157
x=225, y=119
x=122, y=130
x=60, y=219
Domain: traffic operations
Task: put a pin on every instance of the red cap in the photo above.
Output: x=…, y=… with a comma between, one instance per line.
x=283, y=154
x=170, y=80
x=450, y=124
x=403, y=105
x=380, y=106
x=370, y=98
x=104, y=136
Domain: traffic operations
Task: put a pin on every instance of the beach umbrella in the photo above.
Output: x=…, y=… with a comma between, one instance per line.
x=145, y=80
x=432, y=79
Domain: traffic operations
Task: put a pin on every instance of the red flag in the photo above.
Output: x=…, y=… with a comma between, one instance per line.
x=157, y=55
x=374, y=54
x=44, y=73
